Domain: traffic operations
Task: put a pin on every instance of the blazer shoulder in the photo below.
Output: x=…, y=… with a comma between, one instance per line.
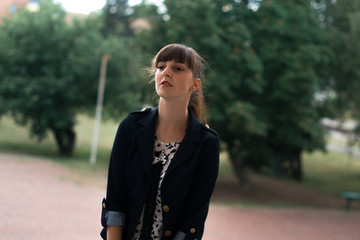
x=133, y=117
x=139, y=113
x=142, y=111
x=209, y=130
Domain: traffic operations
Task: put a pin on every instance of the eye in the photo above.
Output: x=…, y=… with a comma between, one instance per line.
x=179, y=67
x=160, y=67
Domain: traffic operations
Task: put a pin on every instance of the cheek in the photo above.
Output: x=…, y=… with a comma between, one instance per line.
x=157, y=81
x=157, y=76
x=189, y=85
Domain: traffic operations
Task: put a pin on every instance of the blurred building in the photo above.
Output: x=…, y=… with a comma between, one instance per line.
x=140, y=24
x=10, y=7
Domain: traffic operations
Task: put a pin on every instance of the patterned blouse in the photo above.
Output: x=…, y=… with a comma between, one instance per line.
x=164, y=153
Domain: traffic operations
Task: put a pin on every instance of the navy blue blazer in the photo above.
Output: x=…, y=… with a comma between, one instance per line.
x=188, y=183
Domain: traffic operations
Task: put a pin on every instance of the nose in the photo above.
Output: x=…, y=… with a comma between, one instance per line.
x=167, y=71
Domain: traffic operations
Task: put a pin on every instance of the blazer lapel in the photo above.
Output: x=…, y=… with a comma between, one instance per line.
x=145, y=140
x=188, y=145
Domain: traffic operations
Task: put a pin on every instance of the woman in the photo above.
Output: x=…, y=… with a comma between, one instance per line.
x=164, y=162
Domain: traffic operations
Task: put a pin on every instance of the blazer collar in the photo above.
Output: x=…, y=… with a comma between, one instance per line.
x=145, y=139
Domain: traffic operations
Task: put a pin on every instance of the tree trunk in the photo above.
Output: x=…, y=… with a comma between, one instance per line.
x=297, y=172
x=239, y=168
x=65, y=139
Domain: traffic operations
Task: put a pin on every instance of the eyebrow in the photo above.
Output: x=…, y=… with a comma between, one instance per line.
x=180, y=63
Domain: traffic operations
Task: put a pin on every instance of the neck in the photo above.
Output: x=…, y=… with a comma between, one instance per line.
x=172, y=114
x=172, y=120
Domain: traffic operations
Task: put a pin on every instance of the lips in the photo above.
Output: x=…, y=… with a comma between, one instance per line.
x=165, y=84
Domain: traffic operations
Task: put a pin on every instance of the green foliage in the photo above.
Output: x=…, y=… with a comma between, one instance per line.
x=292, y=49
x=117, y=18
x=125, y=91
x=124, y=84
x=341, y=19
x=265, y=68
x=49, y=70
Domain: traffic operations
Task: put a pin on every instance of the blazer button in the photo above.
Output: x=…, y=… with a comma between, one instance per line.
x=192, y=230
x=166, y=208
x=167, y=233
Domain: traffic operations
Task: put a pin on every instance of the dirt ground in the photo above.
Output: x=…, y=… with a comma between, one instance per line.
x=42, y=200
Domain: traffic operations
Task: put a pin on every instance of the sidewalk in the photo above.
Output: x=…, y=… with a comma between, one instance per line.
x=236, y=223
x=39, y=200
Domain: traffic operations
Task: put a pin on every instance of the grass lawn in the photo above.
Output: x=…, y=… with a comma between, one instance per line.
x=331, y=172
x=17, y=139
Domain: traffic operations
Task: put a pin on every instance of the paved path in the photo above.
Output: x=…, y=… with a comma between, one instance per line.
x=225, y=223
x=40, y=200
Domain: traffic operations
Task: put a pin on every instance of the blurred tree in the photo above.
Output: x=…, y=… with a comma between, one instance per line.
x=266, y=62
x=294, y=54
x=117, y=15
x=49, y=71
x=145, y=10
x=124, y=83
x=341, y=19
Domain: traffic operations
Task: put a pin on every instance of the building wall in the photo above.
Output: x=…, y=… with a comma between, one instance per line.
x=5, y=6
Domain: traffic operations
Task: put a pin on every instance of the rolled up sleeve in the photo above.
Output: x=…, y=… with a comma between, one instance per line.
x=115, y=218
x=179, y=236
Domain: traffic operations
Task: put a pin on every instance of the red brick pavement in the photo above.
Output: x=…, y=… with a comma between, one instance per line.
x=41, y=200
x=238, y=223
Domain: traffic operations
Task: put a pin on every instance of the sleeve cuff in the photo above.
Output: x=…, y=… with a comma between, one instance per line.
x=115, y=218
x=179, y=236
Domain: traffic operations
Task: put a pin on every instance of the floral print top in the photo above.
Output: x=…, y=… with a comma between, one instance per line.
x=164, y=153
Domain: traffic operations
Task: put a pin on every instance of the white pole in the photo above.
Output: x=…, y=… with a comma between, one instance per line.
x=99, y=105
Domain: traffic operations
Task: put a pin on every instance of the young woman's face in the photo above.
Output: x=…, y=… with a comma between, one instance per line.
x=175, y=80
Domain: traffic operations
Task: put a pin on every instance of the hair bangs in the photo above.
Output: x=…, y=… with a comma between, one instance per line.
x=177, y=53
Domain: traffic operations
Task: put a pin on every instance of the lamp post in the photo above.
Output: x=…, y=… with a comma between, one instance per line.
x=99, y=104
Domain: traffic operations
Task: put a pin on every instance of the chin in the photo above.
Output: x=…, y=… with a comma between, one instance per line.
x=162, y=94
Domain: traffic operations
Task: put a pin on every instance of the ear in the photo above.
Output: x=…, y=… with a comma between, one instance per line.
x=197, y=84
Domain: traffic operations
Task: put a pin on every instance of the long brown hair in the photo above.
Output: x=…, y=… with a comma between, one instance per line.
x=188, y=56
